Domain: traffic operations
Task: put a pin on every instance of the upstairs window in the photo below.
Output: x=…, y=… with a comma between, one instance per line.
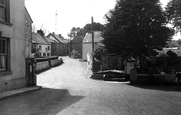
x=4, y=11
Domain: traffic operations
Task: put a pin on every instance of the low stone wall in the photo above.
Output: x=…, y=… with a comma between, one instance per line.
x=56, y=62
x=43, y=64
x=157, y=78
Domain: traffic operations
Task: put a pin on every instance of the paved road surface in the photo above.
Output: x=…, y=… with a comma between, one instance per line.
x=67, y=90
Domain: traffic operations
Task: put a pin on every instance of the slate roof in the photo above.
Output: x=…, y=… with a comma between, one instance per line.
x=49, y=40
x=57, y=37
x=97, y=37
x=37, y=38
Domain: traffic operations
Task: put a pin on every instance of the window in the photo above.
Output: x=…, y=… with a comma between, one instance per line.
x=48, y=47
x=44, y=54
x=4, y=11
x=4, y=54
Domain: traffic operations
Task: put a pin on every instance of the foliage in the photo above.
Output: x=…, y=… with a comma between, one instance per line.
x=96, y=27
x=87, y=28
x=136, y=28
x=98, y=50
x=73, y=31
x=172, y=43
x=179, y=42
x=173, y=11
x=165, y=61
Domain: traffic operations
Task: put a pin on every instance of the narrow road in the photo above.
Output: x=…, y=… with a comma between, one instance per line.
x=68, y=90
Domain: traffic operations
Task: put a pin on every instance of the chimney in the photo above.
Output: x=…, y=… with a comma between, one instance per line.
x=60, y=35
x=41, y=32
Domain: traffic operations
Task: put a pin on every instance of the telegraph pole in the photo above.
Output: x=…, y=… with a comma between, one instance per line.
x=92, y=21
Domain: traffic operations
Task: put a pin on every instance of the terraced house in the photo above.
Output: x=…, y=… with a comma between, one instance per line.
x=42, y=46
x=60, y=47
x=14, y=30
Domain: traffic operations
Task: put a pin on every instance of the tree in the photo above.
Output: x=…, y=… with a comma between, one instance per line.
x=87, y=28
x=73, y=32
x=96, y=27
x=137, y=28
x=173, y=10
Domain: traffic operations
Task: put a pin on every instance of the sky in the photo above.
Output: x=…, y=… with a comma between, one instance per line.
x=71, y=13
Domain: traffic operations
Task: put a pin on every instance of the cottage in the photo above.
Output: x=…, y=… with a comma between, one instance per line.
x=60, y=47
x=40, y=46
x=87, y=43
x=14, y=34
x=76, y=45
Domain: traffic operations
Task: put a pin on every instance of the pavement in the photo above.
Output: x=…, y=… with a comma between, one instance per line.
x=18, y=91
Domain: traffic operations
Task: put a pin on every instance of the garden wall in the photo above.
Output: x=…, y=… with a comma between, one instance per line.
x=43, y=64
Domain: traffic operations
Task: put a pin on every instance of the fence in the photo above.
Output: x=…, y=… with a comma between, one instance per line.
x=157, y=78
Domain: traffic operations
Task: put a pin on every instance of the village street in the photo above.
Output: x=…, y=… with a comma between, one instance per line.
x=68, y=90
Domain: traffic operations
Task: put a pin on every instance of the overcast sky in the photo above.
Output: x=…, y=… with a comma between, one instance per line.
x=71, y=13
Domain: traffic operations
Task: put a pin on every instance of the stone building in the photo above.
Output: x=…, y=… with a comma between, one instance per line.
x=87, y=43
x=13, y=37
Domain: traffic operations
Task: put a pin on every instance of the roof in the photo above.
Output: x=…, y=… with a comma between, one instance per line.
x=57, y=37
x=37, y=38
x=49, y=40
x=175, y=49
x=97, y=37
x=28, y=14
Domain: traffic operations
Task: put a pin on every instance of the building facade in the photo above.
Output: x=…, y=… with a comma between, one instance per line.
x=28, y=34
x=87, y=43
x=60, y=47
x=12, y=44
x=41, y=48
x=76, y=44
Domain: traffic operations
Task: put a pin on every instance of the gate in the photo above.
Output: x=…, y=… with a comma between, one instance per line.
x=30, y=72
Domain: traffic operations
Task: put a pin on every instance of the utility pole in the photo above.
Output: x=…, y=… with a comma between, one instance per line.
x=92, y=43
x=92, y=20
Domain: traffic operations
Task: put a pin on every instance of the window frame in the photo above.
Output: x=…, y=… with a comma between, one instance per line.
x=6, y=53
x=48, y=48
x=6, y=7
x=44, y=54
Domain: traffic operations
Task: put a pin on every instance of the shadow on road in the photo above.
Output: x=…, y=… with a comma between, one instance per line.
x=41, y=102
x=162, y=87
